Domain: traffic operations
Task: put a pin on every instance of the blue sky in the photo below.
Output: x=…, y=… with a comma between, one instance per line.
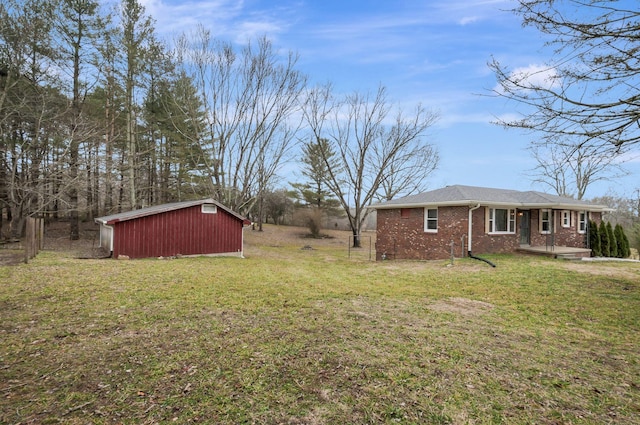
x=429, y=52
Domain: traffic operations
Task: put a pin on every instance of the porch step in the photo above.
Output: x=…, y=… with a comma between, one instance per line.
x=565, y=253
x=568, y=256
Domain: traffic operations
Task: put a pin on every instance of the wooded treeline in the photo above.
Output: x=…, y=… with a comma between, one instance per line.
x=98, y=116
x=89, y=122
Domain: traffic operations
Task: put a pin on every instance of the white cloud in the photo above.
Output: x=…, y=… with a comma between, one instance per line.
x=468, y=11
x=250, y=30
x=450, y=119
x=534, y=76
x=507, y=117
x=229, y=19
x=468, y=20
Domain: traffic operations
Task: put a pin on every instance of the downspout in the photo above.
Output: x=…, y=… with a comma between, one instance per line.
x=471, y=209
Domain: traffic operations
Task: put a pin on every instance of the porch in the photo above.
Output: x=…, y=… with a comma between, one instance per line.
x=565, y=252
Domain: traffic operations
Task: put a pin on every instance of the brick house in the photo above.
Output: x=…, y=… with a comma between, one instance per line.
x=469, y=220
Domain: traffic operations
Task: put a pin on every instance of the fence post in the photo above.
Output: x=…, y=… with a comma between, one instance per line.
x=27, y=240
x=34, y=238
x=359, y=237
x=40, y=234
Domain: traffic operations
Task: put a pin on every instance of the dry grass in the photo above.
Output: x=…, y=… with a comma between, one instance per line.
x=307, y=336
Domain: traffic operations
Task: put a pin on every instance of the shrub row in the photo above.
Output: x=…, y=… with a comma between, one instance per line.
x=607, y=241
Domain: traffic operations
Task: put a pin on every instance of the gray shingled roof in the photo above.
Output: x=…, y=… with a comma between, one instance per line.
x=158, y=209
x=472, y=195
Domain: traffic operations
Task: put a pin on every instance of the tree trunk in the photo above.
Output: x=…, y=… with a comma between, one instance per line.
x=108, y=148
x=356, y=238
x=131, y=158
x=74, y=231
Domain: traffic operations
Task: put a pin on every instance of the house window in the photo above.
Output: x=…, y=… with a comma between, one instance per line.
x=545, y=221
x=431, y=220
x=209, y=209
x=405, y=212
x=566, y=218
x=582, y=222
x=502, y=220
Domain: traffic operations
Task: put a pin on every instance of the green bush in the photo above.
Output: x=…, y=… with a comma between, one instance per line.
x=605, y=247
x=635, y=233
x=594, y=239
x=613, y=243
x=626, y=244
x=618, y=232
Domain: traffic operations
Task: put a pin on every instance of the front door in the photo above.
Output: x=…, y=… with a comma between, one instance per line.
x=525, y=227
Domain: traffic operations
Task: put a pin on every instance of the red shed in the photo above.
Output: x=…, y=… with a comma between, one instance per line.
x=203, y=227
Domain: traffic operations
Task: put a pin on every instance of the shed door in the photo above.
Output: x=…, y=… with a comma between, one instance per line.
x=525, y=227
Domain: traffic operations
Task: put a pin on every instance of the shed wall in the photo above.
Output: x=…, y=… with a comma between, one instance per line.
x=186, y=231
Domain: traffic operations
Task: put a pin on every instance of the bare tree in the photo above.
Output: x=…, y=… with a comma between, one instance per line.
x=570, y=169
x=372, y=147
x=249, y=101
x=270, y=156
x=277, y=205
x=589, y=90
x=409, y=170
x=31, y=109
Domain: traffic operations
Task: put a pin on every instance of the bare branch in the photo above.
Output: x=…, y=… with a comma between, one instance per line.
x=592, y=93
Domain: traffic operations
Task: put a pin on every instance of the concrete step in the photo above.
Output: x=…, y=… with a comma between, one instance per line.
x=568, y=256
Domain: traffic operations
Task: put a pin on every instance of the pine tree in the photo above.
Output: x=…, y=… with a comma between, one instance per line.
x=605, y=246
x=619, y=235
x=594, y=239
x=318, y=161
x=635, y=234
x=613, y=243
x=136, y=32
x=79, y=27
x=627, y=245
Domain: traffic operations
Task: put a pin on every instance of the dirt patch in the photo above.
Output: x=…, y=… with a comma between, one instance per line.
x=597, y=269
x=462, y=306
x=11, y=256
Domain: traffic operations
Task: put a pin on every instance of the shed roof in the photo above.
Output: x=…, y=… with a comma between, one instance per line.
x=473, y=195
x=159, y=209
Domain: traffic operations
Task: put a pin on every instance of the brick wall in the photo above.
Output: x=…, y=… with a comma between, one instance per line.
x=485, y=243
x=401, y=234
x=562, y=236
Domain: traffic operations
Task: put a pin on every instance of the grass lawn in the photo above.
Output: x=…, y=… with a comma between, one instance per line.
x=309, y=336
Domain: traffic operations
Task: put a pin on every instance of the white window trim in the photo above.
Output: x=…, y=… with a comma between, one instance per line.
x=511, y=221
x=566, y=214
x=540, y=221
x=209, y=209
x=426, y=220
x=585, y=222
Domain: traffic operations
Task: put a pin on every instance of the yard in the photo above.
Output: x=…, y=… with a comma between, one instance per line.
x=298, y=333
